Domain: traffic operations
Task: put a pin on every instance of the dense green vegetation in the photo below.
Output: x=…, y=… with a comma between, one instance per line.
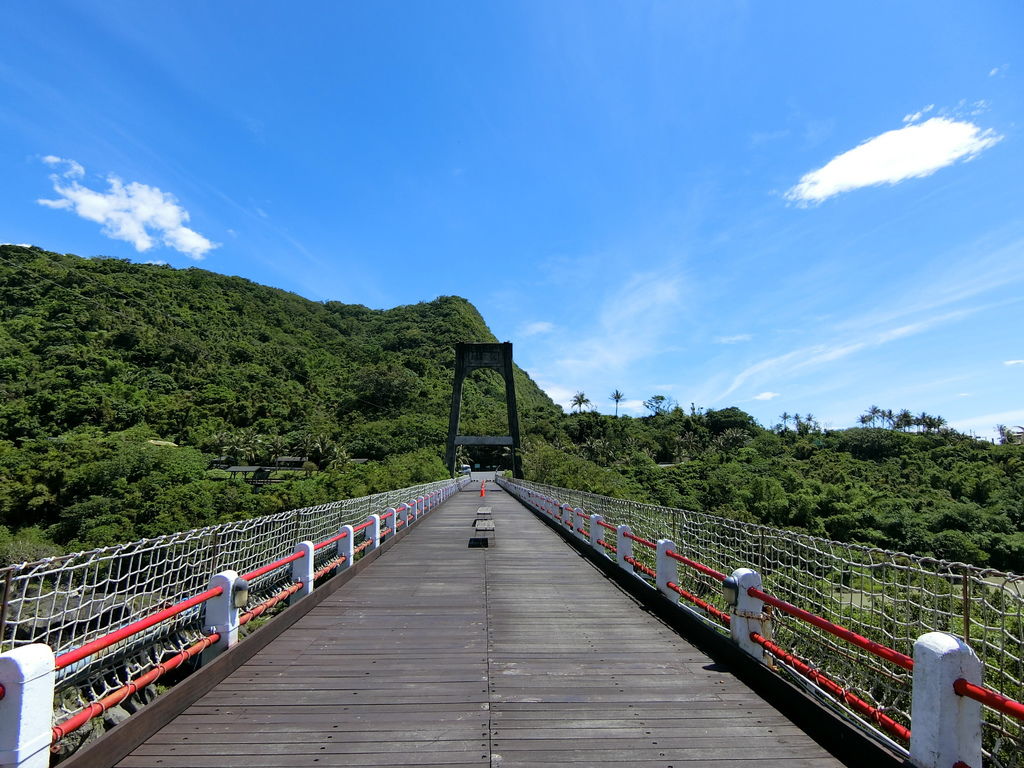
x=932, y=491
x=120, y=383
x=102, y=361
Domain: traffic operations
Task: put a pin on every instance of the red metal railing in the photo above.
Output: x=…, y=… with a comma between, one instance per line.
x=328, y=542
x=96, y=708
x=273, y=566
x=716, y=575
x=646, y=542
x=882, y=651
x=990, y=698
x=719, y=614
x=962, y=687
x=641, y=567
x=854, y=702
x=69, y=658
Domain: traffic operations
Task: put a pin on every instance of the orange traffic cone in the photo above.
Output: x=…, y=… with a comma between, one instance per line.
x=483, y=489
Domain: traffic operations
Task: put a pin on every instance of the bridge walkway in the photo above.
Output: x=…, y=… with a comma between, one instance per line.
x=444, y=655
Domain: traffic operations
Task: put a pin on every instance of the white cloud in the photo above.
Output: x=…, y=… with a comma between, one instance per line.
x=631, y=323
x=136, y=213
x=997, y=70
x=72, y=171
x=1013, y=362
x=733, y=339
x=918, y=115
x=634, y=406
x=771, y=369
x=914, y=151
x=766, y=396
x=985, y=424
x=561, y=395
x=532, y=329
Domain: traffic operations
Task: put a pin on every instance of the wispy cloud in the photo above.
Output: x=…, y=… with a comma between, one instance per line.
x=1013, y=362
x=985, y=424
x=820, y=354
x=766, y=396
x=541, y=326
x=631, y=324
x=914, y=151
x=913, y=118
x=136, y=213
x=733, y=339
x=998, y=70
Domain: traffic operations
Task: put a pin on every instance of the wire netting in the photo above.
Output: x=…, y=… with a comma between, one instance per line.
x=68, y=601
x=890, y=597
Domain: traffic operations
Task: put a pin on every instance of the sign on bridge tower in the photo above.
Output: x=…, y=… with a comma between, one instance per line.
x=468, y=358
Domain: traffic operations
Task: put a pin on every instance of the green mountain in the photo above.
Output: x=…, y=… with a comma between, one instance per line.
x=100, y=357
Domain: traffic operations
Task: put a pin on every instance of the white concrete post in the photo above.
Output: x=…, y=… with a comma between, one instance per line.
x=666, y=568
x=565, y=514
x=302, y=570
x=595, y=531
x=945, y=727
x=748, y=612
x=346, y=547
x=577, y=524
x=28, y=676
x=220, y=615
x=624, y=548
x=391, y=522
x=372, y=532
x=403, y=510
x=421, y=506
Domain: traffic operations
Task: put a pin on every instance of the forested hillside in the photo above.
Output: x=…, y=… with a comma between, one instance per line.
x=103, y=361
x=120, y=383
x=920, y=488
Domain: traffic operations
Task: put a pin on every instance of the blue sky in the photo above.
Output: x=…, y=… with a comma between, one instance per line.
x=801, y=207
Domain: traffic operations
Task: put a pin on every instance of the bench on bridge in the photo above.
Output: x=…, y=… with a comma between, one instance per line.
x=483, y=528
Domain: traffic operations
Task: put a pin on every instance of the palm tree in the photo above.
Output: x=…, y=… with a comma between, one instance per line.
x=579, y=400
x=279, y=446
x=873, y=413
x=904, y=420
x=785, y=420
x=617, y=397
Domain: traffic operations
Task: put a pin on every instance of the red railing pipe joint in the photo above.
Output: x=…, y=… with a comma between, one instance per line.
x=946, y=726
x=989, y=698
x=302, y=571
x=595, y=531
x=220, y=615
x=28, y=676
x=666, y=569
x=346, y=546
x=624, y=548
x=746, y=612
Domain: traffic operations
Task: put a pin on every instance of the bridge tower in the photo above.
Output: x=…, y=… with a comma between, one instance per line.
x=498, y=357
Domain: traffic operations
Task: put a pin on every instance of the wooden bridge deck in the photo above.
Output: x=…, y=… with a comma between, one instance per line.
x=444, y=655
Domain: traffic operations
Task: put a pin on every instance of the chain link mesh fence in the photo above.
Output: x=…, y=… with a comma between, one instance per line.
x=890, y=597
x=68, y=601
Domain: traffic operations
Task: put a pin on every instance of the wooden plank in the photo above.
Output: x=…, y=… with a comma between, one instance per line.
x=524, y=656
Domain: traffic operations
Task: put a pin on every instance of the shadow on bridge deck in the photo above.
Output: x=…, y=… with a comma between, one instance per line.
x=518, y=655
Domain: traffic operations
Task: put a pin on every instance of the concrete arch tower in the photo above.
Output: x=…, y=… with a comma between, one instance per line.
x=468, y=358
